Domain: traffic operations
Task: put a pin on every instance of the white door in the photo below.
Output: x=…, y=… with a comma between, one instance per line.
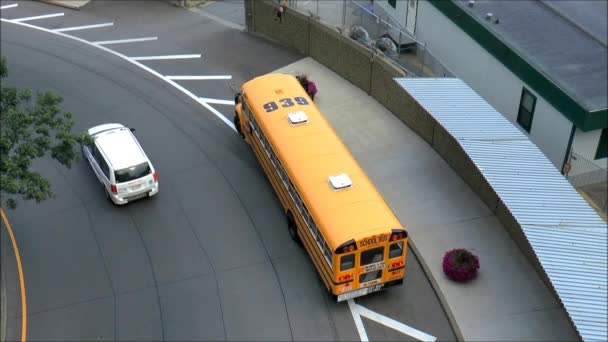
x=412, y=9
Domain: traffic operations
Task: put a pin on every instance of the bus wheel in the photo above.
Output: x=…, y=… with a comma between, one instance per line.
x=237, y=125
x=292, y=228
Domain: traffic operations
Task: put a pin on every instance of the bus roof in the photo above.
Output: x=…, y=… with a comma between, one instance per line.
x=312, y=152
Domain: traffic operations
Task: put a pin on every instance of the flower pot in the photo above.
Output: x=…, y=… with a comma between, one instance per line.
x=460, y=265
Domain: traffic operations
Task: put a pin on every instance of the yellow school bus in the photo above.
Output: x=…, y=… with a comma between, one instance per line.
x=355, y=241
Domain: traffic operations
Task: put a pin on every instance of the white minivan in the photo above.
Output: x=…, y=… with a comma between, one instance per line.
x=120, y=163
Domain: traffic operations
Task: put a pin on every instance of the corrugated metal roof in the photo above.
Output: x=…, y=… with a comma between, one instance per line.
x=568, y=237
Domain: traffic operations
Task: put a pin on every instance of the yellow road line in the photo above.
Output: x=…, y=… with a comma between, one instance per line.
x=21, y=278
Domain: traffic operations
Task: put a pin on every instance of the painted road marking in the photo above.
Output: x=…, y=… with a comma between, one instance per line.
x=86, y=27
x=38, y=17
x=9, y=6
x=123, y=41
x=149, y=58
x=357, y=318
x=391, y=323
x=354, y=308
x=194, y=78
x=21, y=277
x=216, y=101
x=130, y=60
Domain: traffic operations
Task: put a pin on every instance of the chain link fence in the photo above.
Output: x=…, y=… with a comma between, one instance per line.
x=376, y=29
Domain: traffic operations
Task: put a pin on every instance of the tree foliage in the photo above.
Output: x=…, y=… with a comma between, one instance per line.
x=32, y=127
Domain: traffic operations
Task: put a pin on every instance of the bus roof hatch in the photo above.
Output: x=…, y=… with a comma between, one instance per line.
x=297, y=117
x=340, y=181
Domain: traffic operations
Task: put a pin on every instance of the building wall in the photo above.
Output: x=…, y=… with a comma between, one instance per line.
x=468, y=61
x=399, y=13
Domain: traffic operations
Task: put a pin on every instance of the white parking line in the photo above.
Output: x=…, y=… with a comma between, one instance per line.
x=356, y=310
x=9, y=6
x=38, y=17
x=130, y=60
x=149, y=58
x=86, y=27
x=123, y=41
x=357, y=318
x=391, y=323
x=216, y=101
x=192, y=78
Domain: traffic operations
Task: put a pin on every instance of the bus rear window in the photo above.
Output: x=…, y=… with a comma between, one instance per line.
x=372, y=256
x=347, y=262
x=132, y=173
x=396, y=250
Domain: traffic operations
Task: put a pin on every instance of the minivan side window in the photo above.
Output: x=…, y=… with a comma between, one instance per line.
x=104, y=167
x=95, y=153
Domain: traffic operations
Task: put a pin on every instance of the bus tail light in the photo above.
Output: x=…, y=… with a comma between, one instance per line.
x=398, y=234
x=347, y=247
x=113, y=188
x=397, y=264
x=345, y=277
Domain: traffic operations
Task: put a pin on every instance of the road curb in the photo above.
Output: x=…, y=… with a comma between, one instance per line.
x=444, y=303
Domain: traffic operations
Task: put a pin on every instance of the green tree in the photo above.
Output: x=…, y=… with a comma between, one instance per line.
x=32, y=128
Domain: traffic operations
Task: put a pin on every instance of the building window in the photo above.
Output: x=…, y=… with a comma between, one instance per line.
x=526, y=109
x=602, y=146
x=393, y=3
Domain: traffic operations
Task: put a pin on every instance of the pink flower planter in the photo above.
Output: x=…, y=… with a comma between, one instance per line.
x=460, y=265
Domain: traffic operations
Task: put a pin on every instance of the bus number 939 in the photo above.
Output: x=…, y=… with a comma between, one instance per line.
x=286, y=102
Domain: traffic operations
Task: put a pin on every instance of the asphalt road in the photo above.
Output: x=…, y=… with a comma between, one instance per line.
x=208, y=258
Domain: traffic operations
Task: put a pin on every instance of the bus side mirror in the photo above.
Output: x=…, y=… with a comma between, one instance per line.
x=132, y=129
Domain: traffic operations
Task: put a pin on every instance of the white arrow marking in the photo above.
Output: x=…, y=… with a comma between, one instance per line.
x=391, y=323
x=358, y=322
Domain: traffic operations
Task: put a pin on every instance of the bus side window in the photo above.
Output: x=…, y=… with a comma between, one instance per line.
x=327, y=252
x=320, y=240
x=347, y=262
x=306, y=215
x=283, y=175
x=313, y=229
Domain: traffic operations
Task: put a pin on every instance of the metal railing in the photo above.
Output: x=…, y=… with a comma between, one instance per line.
x=375, y=28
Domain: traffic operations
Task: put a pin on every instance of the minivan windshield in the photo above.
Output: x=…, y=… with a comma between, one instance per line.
x=132, y=173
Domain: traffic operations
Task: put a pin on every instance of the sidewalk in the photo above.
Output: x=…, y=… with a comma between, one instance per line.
x=508, y=301
x=72, y=4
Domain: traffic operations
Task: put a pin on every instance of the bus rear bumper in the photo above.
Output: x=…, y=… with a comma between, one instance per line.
x=366, y=290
